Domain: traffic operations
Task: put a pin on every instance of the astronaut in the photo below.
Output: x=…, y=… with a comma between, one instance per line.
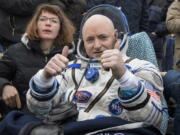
x=103, y=81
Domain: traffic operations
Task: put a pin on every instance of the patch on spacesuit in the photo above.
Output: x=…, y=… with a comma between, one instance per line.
x=115, y=107
x=96, y=65
x=154, y=95
x=82, y=96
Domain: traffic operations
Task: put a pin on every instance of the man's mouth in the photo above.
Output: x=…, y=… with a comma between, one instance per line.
x=98, y=53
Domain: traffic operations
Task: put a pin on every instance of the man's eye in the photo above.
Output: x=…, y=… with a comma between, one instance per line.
x=89, y=40
x=103, y=38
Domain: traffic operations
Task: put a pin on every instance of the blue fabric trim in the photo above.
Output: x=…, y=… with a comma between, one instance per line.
x=44, y=96
x=126, y=94
x=128, y=67
x=129, y=100
x=154, y=113
x=74, y=66
x=157, y=108
x=94, y=61
x=136, y=70
x=38, y=90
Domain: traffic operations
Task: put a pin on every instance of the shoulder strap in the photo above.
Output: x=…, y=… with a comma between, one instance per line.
x=100, y=95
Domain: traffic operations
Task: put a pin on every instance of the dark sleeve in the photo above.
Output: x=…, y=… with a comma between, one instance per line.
x=172, y=84
x=171, y=77
x=7, y=69
x=165, y=9
x=20, y=7
x=161, y=29
x=149, y=2
x=144, y=16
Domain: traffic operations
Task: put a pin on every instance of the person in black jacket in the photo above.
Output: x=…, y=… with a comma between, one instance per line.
x=15, y=14
x=46, y=34
x=157, y=28
x=135, y=11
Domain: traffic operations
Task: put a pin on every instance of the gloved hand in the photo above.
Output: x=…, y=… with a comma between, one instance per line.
x=62, y=113
x=47, y=129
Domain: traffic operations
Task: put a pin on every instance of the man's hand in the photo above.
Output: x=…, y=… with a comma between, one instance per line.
x=57, y=64
x=113, y=59
x=11, y=97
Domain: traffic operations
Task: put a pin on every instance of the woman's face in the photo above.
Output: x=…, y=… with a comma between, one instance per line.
x=48, y=26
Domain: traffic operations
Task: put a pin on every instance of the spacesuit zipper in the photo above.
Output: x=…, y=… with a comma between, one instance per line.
x=100, y=95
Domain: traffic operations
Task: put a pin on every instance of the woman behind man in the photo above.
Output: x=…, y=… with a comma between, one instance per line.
x=46, y=34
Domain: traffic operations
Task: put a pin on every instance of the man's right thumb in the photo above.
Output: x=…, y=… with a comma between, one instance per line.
x=65, y=51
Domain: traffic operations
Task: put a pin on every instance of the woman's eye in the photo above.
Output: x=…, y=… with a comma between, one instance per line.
x=42, y=19
x=55, y=21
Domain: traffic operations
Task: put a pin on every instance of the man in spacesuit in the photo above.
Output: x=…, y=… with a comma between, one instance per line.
x=119, y=86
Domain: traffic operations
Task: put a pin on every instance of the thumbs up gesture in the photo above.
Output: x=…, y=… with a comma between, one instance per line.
x=56, y=64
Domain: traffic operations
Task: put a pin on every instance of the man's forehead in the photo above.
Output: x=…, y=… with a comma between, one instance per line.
x=98, y=19
x=98, y=16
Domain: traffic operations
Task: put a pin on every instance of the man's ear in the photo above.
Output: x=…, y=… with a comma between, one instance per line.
x=116, y=34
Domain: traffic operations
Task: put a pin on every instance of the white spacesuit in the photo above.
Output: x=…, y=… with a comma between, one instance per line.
x=105, y=96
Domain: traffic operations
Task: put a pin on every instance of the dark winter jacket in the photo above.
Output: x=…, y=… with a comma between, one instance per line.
x=20, y=62
x=135, y=11
x=159, y=3
x=162, y=28
x=156, y=23
x=157, y=15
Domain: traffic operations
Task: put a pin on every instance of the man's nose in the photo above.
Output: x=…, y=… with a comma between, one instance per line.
x=97, y=43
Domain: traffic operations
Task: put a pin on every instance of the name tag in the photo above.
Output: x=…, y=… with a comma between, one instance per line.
x=95, y=65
